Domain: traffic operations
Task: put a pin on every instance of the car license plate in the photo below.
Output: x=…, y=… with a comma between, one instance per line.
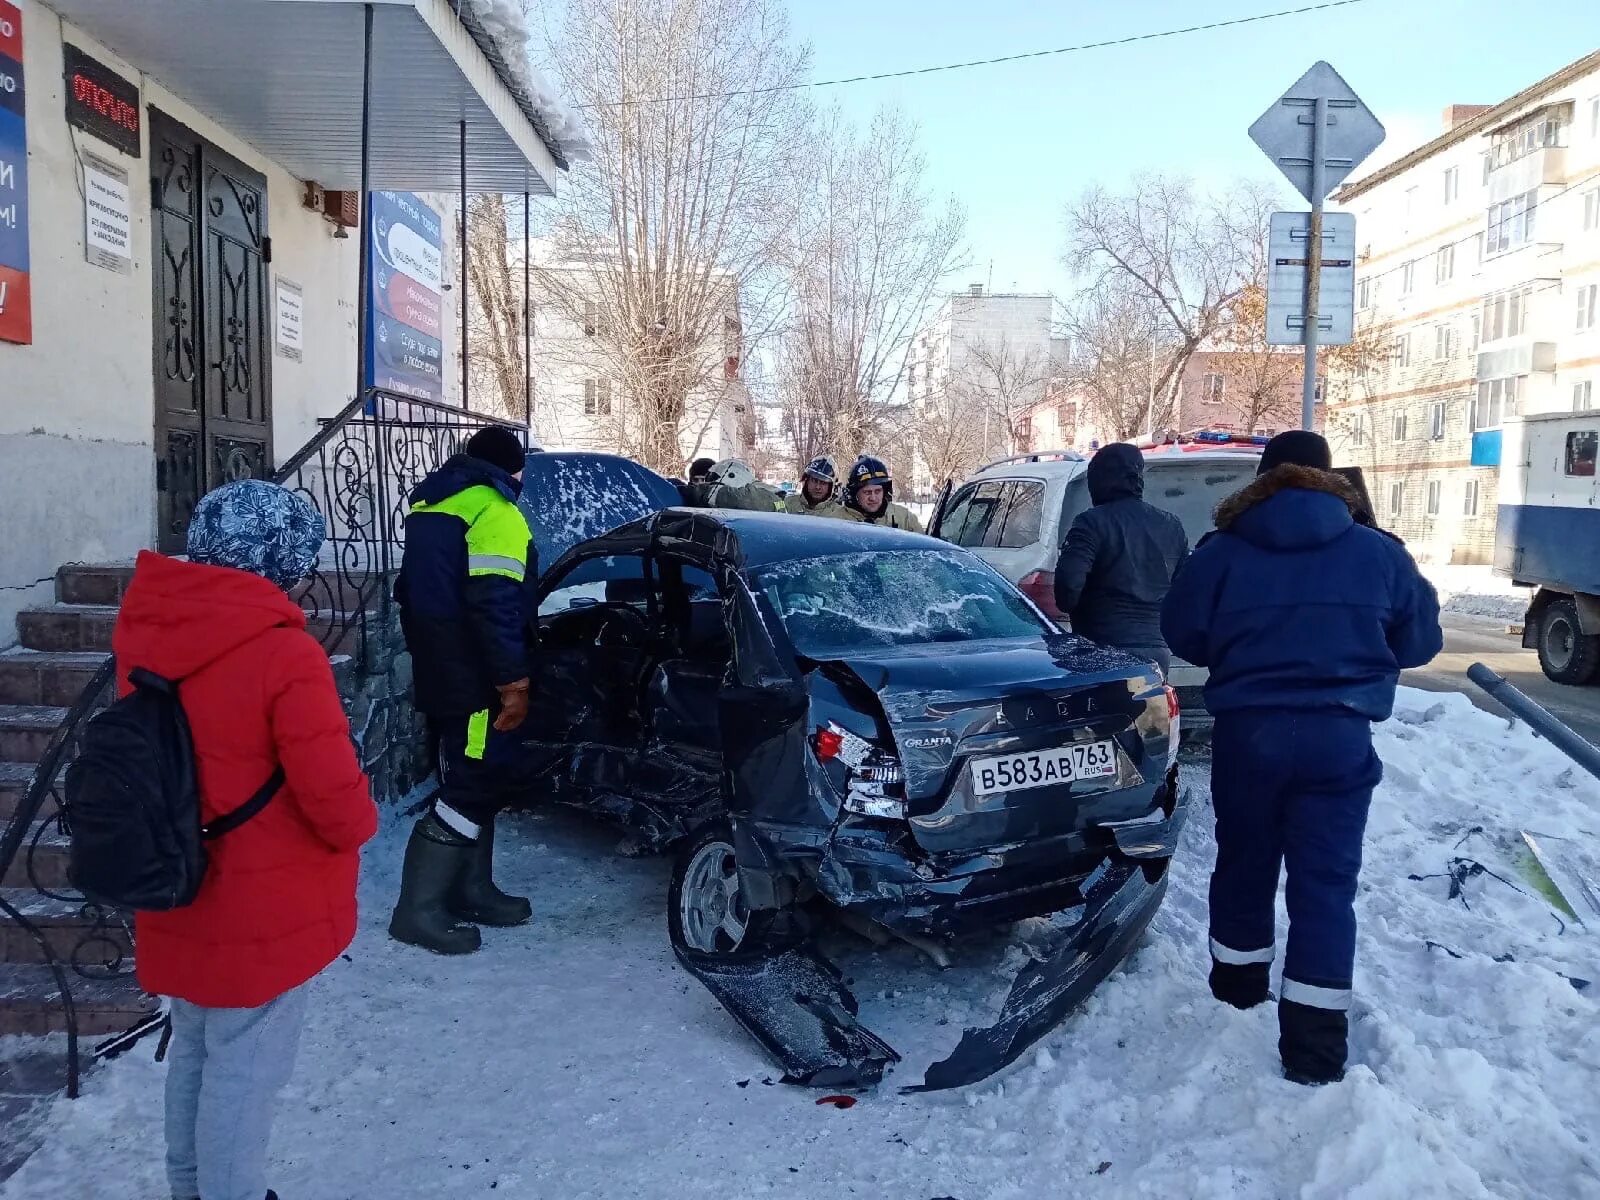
x=1043, y=768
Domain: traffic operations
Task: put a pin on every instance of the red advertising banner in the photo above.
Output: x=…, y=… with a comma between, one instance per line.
x=16, y=308
x=414, y=304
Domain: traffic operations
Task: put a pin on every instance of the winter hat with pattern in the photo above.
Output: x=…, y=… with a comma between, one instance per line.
x=498, y=447
x=257, y=527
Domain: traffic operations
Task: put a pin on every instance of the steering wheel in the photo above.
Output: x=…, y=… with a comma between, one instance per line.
x=620, y=626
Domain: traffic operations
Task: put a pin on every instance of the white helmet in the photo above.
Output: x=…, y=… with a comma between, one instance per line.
x=730, y=472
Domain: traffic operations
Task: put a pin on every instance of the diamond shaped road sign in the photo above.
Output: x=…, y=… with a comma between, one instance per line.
x=1284, y=132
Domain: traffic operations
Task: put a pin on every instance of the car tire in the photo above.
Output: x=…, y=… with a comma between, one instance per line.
x=706, y=911
x=1566, y=653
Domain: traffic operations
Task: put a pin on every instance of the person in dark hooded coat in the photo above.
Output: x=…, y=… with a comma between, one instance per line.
x=1305, y=618
x=1119, y=558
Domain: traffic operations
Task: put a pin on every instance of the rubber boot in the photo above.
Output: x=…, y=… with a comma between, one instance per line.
x=475, y=897
x=1313, y=1043
x=436, y=857
x=1243, y=985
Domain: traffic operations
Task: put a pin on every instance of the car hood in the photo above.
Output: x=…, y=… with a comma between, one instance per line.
x=570, y=497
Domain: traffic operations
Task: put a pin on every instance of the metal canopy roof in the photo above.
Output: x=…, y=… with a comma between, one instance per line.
x=286, y=76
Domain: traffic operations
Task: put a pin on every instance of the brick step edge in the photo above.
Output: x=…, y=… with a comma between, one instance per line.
x=30, y=1003
x=70, y=932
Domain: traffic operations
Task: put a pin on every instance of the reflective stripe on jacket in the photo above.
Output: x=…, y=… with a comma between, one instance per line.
x=463, y=587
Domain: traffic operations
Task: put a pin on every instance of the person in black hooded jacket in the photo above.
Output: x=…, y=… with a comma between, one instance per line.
x=1119, y=559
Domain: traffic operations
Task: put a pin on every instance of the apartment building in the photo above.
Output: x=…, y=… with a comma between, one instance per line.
x=1476, y=295
x=988, y=357
x=582, y=396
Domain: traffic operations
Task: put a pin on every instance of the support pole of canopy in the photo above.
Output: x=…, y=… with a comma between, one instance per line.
x=364, y=328
x=466, y=374
x=527, y=311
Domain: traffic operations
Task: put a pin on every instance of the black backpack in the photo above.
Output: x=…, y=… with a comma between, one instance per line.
x=133, y=803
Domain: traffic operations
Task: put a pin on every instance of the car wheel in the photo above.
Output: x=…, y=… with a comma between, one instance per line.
x=706, y=909
x=1566, y=653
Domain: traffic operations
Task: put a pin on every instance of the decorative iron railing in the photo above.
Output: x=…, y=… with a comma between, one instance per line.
x=358, y=471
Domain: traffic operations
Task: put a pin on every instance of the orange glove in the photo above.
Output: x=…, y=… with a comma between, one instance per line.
x=513, y=706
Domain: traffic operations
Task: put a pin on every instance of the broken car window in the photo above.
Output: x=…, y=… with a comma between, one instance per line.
x=895, y=598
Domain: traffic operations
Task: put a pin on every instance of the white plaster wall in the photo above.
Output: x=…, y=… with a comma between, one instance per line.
x=76, y=407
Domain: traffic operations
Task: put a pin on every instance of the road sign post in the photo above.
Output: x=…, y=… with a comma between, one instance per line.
x=1317, y=133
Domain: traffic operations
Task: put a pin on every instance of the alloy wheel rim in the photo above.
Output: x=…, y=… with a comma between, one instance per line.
x=711, y=908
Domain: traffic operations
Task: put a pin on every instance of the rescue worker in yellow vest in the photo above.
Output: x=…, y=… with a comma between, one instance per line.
x=818, y=487
x=465, y=607
x=869, y=496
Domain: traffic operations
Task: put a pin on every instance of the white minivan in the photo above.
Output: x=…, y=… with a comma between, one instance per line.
x=1015, y=514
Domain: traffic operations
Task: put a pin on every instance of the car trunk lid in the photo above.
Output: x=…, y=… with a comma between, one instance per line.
x=1021, y=699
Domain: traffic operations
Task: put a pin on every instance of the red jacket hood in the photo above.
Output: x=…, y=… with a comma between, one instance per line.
x=180, y=616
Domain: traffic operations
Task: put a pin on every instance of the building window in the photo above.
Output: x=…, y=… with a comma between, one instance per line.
x=1583, y=396
x=1477, y=330
x=1452, y=185
x=1321, y=390
x=594, y=321
x=1581, y=447
x=1436, y=422
x=1435, y=487
x=597, y=397
x=1511, y=223
x=1358, y=429
x=1397, y=499
x=1591, y=209
x=1400, y=351
x=1469, y=499
x=1444, y=341
x=1594, y=117
x=1586, y=306
x=1495, y=401
x=1444, y=264
x=1212, y=387
x=1364, y=293
x=1408, y=277
x=1505, y=315
x=1400, y=425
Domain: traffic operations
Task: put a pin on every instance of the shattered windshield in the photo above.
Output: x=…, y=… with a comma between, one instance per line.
x=892, y=598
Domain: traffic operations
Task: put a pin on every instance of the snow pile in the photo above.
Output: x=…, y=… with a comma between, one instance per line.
x=506, y=21
x=1477, y=592
x=573, y=1058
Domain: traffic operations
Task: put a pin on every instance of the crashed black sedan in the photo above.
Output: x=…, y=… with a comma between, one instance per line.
x=816, y=714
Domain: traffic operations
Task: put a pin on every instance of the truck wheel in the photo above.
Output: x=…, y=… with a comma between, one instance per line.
x=1566, y=653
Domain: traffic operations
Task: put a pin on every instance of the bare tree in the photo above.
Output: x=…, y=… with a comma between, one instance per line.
x=1006, y=382
x=948, y=439
x=869, y=248
x=1121, y=347
x=495, y=322
x=680, y=219
x=1189, y=256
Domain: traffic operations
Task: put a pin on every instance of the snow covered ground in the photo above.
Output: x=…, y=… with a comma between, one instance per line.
x=1477, y=592
x=573, y=1058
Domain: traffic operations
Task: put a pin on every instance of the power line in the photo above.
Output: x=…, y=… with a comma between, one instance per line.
x=988, y=62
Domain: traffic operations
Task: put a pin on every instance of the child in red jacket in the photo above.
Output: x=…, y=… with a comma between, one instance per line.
x=278, y=903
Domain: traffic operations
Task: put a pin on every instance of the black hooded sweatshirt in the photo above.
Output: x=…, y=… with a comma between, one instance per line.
x=1119, y=557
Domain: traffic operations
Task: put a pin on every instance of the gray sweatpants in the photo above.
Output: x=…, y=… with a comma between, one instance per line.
x=225, y=1068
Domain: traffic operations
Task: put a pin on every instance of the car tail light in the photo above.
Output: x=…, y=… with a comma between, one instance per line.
x=874, y=780
x=1161, y=716
x=1040, y=587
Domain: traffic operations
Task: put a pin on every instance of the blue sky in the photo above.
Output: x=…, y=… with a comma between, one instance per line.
x=1014, y=141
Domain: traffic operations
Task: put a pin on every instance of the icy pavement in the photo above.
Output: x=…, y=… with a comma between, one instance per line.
x=1477, y=592
x=573, y=1058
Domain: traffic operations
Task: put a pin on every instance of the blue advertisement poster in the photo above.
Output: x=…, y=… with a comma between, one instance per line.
x=405, y=355
x=16, y=305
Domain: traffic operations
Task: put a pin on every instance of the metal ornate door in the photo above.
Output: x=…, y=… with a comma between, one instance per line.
x=213, y=418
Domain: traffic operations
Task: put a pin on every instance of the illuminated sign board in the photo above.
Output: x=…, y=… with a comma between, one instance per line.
x=101, y=102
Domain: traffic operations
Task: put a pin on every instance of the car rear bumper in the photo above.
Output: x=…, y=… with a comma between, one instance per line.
x=947, y=895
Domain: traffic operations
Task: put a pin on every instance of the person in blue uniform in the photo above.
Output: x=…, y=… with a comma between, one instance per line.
x=1305, y=618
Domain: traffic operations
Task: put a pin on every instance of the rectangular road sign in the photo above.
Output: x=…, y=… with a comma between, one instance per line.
x=1287, y=249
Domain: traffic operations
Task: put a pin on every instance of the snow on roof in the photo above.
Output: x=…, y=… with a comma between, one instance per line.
x=501, y=29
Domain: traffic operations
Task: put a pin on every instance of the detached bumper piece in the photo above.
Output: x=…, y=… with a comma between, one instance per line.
x=1117, y=908
x=795, y=1003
